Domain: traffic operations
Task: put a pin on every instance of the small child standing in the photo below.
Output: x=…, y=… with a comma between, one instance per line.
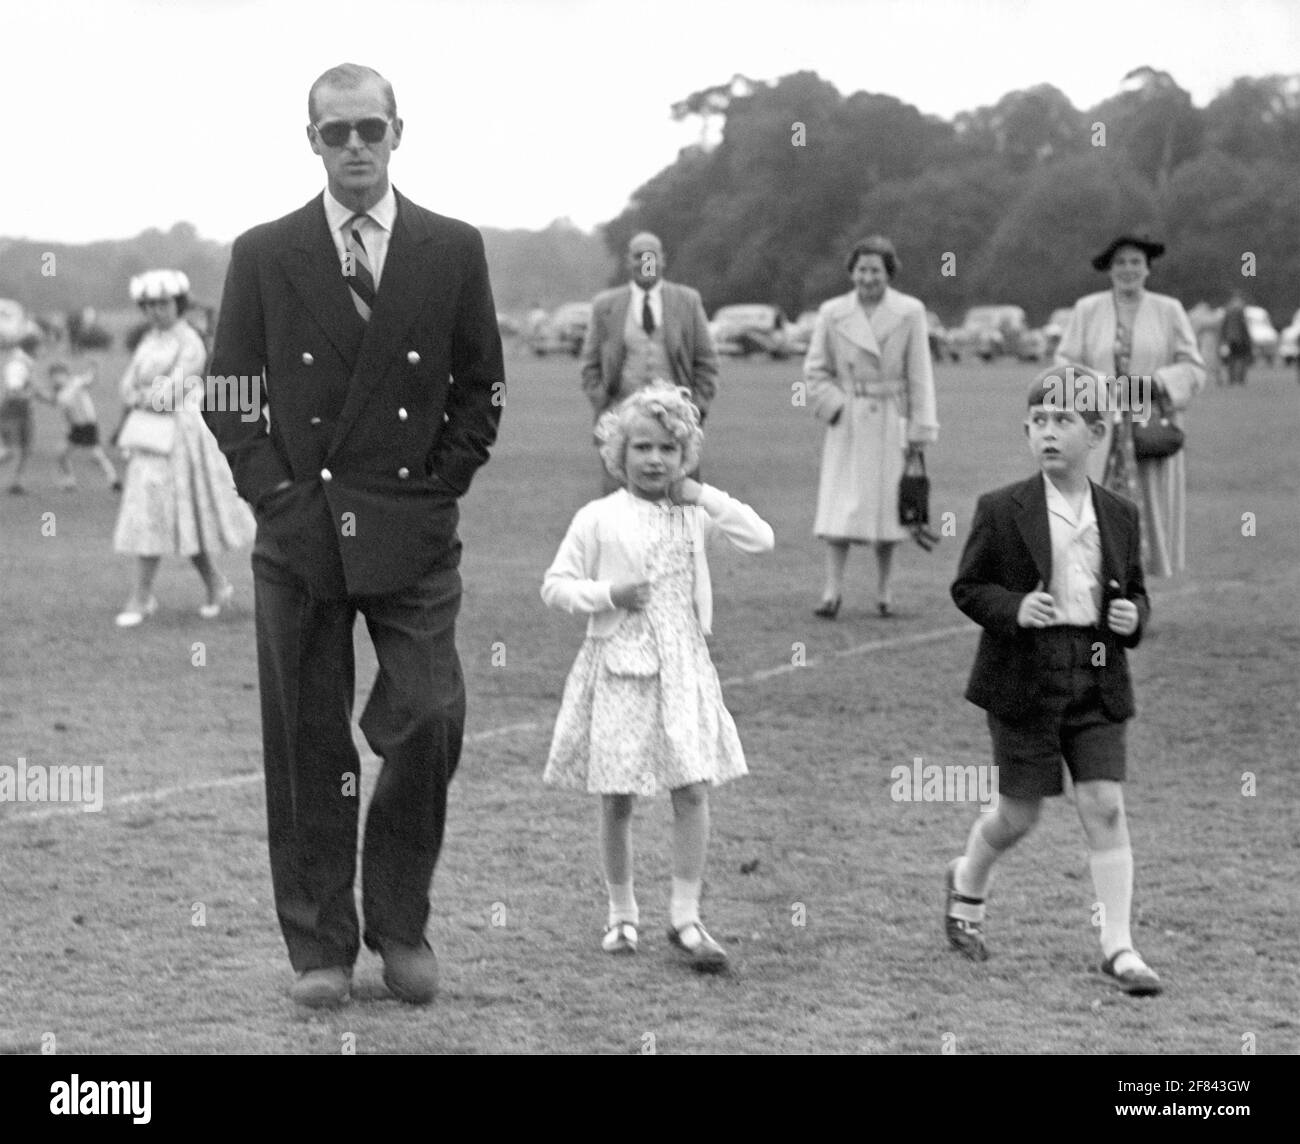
x=71, y=396
x=1051, y=572
x=17, y=419
x=642, y=708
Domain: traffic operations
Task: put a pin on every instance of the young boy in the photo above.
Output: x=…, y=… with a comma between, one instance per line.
x=83, y=429
x=1051, y=572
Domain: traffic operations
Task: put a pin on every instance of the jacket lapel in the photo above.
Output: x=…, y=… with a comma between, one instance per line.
x=1101, y=340
x=854, y=325
x=403, y=289
x=672, y=321
x=887, y=317
x=1110, y=570
x=1031, y=520
x=312, y=267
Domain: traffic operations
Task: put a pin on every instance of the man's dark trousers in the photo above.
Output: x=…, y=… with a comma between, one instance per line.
x=414, y=721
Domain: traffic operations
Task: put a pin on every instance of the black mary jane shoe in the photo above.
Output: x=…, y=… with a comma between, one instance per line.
x=828, y=609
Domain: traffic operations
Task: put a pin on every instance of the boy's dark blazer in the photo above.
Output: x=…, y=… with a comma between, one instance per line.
x=380, y=425
x=1008, y=552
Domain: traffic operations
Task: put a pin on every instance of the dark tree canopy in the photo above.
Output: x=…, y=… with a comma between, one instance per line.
x=1005, y=204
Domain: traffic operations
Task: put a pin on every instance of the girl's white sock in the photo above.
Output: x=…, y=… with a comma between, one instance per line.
x=685, y=904
x=622, y=904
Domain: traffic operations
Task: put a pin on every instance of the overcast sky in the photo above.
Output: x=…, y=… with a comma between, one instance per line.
x=126, y=114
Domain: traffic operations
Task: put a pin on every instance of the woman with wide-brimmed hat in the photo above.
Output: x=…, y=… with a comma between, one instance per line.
x=179, y=497
x=1130, y=332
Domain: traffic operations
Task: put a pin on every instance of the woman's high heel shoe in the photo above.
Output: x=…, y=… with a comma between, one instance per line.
x=224, y=595
x=829, y=609
x=133, y=617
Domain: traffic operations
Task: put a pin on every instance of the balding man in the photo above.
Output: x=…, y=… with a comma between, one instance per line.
x=647, y=329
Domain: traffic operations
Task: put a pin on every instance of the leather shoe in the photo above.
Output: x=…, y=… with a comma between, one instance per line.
x=828, y=609
x=1137, y=981
x=324, y=988
x=966, y=936
x=410, y=972
x=695, y=945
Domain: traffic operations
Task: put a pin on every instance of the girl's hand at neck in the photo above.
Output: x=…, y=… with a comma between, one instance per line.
x=684, y=490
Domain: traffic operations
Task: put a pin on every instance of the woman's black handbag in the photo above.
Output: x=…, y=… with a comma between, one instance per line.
x=914, y=501
x=1158, y=437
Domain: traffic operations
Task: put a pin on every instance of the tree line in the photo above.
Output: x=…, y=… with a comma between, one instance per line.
x=1005, y=204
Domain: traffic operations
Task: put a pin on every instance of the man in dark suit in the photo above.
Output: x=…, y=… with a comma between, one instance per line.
x=368, y=324
x=645, y=330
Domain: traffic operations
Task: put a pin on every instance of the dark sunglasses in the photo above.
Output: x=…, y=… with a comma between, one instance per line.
x=337, y=132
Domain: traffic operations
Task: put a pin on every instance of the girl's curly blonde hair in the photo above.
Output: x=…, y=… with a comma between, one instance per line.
x=670, y=406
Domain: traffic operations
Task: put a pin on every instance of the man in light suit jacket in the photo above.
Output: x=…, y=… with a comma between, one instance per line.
x=370, y=326
x=645, y=330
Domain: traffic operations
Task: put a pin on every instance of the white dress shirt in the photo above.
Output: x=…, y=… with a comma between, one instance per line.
x=375, y=231
x=1076, y=559
x=656, y=295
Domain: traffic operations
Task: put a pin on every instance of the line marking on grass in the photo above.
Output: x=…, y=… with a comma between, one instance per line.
x=243, y=779
x=887, y=644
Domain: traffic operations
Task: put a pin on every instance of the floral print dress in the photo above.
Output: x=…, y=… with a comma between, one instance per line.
x=642, y=709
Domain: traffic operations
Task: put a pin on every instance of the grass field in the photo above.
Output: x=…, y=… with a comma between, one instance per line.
x=99, y=944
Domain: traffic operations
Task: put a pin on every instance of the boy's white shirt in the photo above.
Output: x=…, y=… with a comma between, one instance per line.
x=1076, y=558
x=606, y=543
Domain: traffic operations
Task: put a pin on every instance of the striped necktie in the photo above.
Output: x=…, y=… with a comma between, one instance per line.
x=357, y=270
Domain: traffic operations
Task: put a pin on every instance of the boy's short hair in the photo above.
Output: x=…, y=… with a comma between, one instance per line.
x=669, y=405
x=1063, y=387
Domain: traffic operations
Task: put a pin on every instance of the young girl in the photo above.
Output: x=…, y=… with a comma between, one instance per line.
x=642, y=706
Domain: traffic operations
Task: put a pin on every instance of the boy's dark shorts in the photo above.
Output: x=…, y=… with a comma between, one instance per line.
x=87, y=435
x=16, y=422
x=1070, y=723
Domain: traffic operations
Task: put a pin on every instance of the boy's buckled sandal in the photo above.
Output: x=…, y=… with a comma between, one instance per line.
x=964, y=934
x=1139, y=981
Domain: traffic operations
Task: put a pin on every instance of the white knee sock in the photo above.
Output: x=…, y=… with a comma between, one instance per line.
x=622, y=904
x=1112, y=878
x=976, y=867
x=685, y=904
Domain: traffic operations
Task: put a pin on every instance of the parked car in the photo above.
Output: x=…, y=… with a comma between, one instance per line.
x=15, y=323
x=799, y=334
x=941, y=345
x=1288, y=345
x=563, y=331
x=1031, y=345
x=751, y=328
x=1054, y=331
x=1262, y=333
x=991, y=331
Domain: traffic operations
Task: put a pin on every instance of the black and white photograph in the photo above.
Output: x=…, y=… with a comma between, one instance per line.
x=552, y=528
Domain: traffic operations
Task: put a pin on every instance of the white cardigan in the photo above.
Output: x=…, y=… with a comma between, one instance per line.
x=605, y=544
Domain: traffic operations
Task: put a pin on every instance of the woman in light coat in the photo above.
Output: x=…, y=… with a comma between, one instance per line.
x=870, y=379
x=1127, y=330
